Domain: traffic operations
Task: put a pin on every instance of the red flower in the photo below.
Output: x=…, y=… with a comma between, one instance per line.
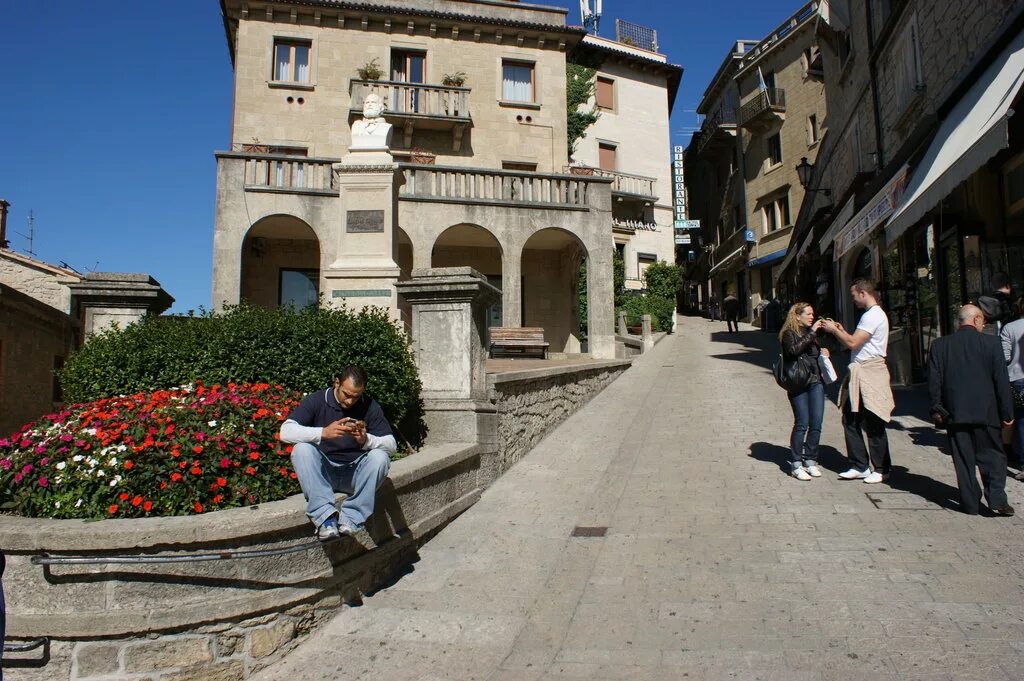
x=293, y=475
x=198, y=449
x=129, y=464
x=221, y=482
x=136, y=500
x=123, y=496
x=148, y=506
x=175, y=477
x=113, y=509
x=225, y=462
x=175, y=452
x=217, y=499
x=198, y=507
x=183, y=465
x=163, y=485
x=196, y=470
x=254, y=456
x=250, y=470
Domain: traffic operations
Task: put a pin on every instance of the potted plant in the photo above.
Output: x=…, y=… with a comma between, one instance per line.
x=371, y=70
x=580, y=168
x=457, y=79
x=423, y=156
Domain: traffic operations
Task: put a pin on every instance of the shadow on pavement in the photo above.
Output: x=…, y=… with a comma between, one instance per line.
x=828, y=457
x=938, y=493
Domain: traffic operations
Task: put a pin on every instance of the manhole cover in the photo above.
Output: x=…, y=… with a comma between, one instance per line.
x=901, y=501
x=581, y=531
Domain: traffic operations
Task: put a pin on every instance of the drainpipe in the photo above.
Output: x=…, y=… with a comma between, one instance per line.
x=873, y=75
x=4, y=205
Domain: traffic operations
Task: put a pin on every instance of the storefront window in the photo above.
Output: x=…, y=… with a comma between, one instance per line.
x=894, y=293
x=927, y=292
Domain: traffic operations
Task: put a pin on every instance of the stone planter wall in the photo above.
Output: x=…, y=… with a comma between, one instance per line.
x=533, y=402
x=216, y=620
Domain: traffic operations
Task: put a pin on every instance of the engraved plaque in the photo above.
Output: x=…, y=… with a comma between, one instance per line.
x=364, y=221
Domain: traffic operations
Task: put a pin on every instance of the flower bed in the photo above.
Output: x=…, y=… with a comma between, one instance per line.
x=168, y=452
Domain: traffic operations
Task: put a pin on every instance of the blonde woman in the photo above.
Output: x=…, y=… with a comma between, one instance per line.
x=806, y=390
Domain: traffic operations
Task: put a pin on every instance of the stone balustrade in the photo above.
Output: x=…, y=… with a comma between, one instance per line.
x=284, y=173
x=622, y=183
x=414, y=99
x=455, y=184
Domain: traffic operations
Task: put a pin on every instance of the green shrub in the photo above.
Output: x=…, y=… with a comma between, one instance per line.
x=247, y=344
x=663, y=280
x=660, y=309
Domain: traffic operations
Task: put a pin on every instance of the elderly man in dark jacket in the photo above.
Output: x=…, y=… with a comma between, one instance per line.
x=970, y=396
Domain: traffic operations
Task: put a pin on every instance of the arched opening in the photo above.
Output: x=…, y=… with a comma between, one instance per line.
x=280, y=263
x=471, y=246
x=553, y=262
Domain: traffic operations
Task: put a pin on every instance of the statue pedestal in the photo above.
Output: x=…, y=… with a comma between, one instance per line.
x=364, y=271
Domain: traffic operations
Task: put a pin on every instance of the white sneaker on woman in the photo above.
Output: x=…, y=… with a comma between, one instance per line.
x=813, y=471
x=801, y=474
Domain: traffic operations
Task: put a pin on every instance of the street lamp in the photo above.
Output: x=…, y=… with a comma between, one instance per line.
x=805, y=172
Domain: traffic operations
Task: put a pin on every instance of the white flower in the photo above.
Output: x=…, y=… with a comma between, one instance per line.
x=122, y=448
x=212, y=424
x=77, y=457
x=113, y=461
x=113, y=483
x=61, y=466
x=57, y=504
x=101, y=473
x=78, y=503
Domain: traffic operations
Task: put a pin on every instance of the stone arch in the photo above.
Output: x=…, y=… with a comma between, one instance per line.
x=551, y=259
x=280, y=262
x=471, y=245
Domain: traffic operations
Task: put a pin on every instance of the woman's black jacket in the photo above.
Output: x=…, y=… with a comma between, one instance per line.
x=803, y=348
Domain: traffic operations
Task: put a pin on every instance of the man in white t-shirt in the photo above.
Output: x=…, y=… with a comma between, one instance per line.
x=866, y=396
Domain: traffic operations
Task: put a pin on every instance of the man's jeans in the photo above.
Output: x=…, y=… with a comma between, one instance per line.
x=320, y=478
x=808, y=411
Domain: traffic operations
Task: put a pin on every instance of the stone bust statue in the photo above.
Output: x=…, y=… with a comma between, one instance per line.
x=371, y=132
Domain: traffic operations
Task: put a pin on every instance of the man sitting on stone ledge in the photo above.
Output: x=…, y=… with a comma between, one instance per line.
x=343, y=443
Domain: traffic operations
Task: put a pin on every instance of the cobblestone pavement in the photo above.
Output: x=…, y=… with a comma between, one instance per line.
x=716, y=564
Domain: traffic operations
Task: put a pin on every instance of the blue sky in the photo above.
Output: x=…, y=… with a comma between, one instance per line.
x=110, y=112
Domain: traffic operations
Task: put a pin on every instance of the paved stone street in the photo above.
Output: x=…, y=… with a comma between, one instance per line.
x=716, y=564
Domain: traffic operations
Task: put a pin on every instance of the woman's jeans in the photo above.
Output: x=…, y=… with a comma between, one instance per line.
x=808, y=411
x=1018, y=426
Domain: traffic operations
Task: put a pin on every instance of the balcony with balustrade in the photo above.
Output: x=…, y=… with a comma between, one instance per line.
x=417, y=106
x=625, y=186
x=718, y=132
x=764, y=109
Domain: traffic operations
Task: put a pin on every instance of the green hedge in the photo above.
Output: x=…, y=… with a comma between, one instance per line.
x=660, y=309
x=297, y=349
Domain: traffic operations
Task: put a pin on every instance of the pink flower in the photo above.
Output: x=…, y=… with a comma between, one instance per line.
x=43, y=482
x=25, y=444
x=200, y=436
x=79, y=443
x=4, y=442
x=66, y=438
x=43, y=461
x=27, y=468
x=40, y=449
x=18, y=477
x=6, y=464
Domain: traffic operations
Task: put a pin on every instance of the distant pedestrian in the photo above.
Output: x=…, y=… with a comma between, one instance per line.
x=713, y=308
x=997, y=306
x=866, y=395
x=731, y=307
x=799, y=342
x=970, y=397
x=1012, y=337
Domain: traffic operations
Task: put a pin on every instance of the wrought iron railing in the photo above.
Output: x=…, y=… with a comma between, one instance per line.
x=769, y=99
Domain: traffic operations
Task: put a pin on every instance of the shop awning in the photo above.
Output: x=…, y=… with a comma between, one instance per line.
x=974, y=131
x=767, y=259
x=728, y=259
x=845, y=213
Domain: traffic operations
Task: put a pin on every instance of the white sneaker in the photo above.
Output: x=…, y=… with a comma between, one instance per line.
x=813, y=471
x=854, y=474
x=801, y=474
x=875, y=478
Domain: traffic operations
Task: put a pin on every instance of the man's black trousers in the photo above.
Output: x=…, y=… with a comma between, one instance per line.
x=856, y=424
x=981, y=447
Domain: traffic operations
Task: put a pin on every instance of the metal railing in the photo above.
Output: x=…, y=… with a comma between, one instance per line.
x=456, y=184
x=770, y=99
x=722, y=117
x=417, y=99
x=805, y=13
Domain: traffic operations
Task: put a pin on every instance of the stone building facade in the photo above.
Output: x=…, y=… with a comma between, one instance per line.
x=764, y=112
x=476, y=95
x=922, y=162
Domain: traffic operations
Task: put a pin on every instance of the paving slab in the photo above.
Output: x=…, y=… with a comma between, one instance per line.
x=714, y=565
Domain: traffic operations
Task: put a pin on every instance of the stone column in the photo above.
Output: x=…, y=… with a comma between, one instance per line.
x=600, y=304
x=365, y=268
x=512, y=288
x=449, y=322
x=621, y=329
x=102, y=299
x=646, y=332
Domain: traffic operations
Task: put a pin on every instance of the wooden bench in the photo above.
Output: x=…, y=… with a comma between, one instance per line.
x=518, y=341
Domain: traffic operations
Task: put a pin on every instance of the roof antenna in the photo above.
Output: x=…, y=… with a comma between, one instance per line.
x=31, y=236
x=591, y=17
